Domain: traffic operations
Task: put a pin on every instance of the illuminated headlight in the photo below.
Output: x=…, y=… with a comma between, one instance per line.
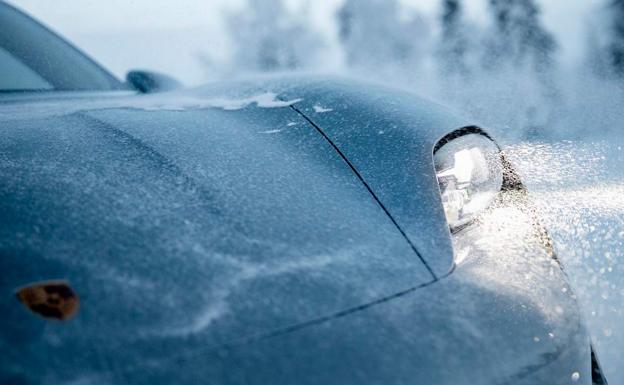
x=470, y=174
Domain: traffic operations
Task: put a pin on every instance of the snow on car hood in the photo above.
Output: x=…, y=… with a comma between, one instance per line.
x=74, y=102
x=181, y=229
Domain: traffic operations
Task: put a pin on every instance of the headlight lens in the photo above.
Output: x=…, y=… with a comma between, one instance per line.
x=470, y=174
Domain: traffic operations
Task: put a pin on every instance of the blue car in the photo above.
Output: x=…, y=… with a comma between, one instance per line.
x=290, y=229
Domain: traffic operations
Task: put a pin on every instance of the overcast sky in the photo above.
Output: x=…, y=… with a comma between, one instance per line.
x=167, y=36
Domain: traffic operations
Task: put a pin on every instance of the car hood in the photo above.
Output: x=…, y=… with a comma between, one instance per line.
x=387, y=135
x=182, y=222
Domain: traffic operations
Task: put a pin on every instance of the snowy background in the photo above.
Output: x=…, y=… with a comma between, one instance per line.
x=545, y=76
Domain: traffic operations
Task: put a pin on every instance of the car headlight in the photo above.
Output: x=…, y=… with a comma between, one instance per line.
x=469, y=169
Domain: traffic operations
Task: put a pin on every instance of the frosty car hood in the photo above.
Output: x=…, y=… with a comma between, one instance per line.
x=181, y=226
x=388, y=135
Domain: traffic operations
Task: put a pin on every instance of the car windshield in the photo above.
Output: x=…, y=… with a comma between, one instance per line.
x=34, y=59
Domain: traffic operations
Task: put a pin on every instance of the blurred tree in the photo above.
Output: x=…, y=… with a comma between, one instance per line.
x=596, y=60
x=616, y=46
x=376, y=34
x=518, y=37
x=519, y=51
x=267, y=37
x=454, y=42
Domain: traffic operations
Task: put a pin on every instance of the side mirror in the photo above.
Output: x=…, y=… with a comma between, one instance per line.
x=148, y=82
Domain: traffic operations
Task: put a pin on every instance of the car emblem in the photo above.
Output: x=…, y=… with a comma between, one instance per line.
x=50, y=299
